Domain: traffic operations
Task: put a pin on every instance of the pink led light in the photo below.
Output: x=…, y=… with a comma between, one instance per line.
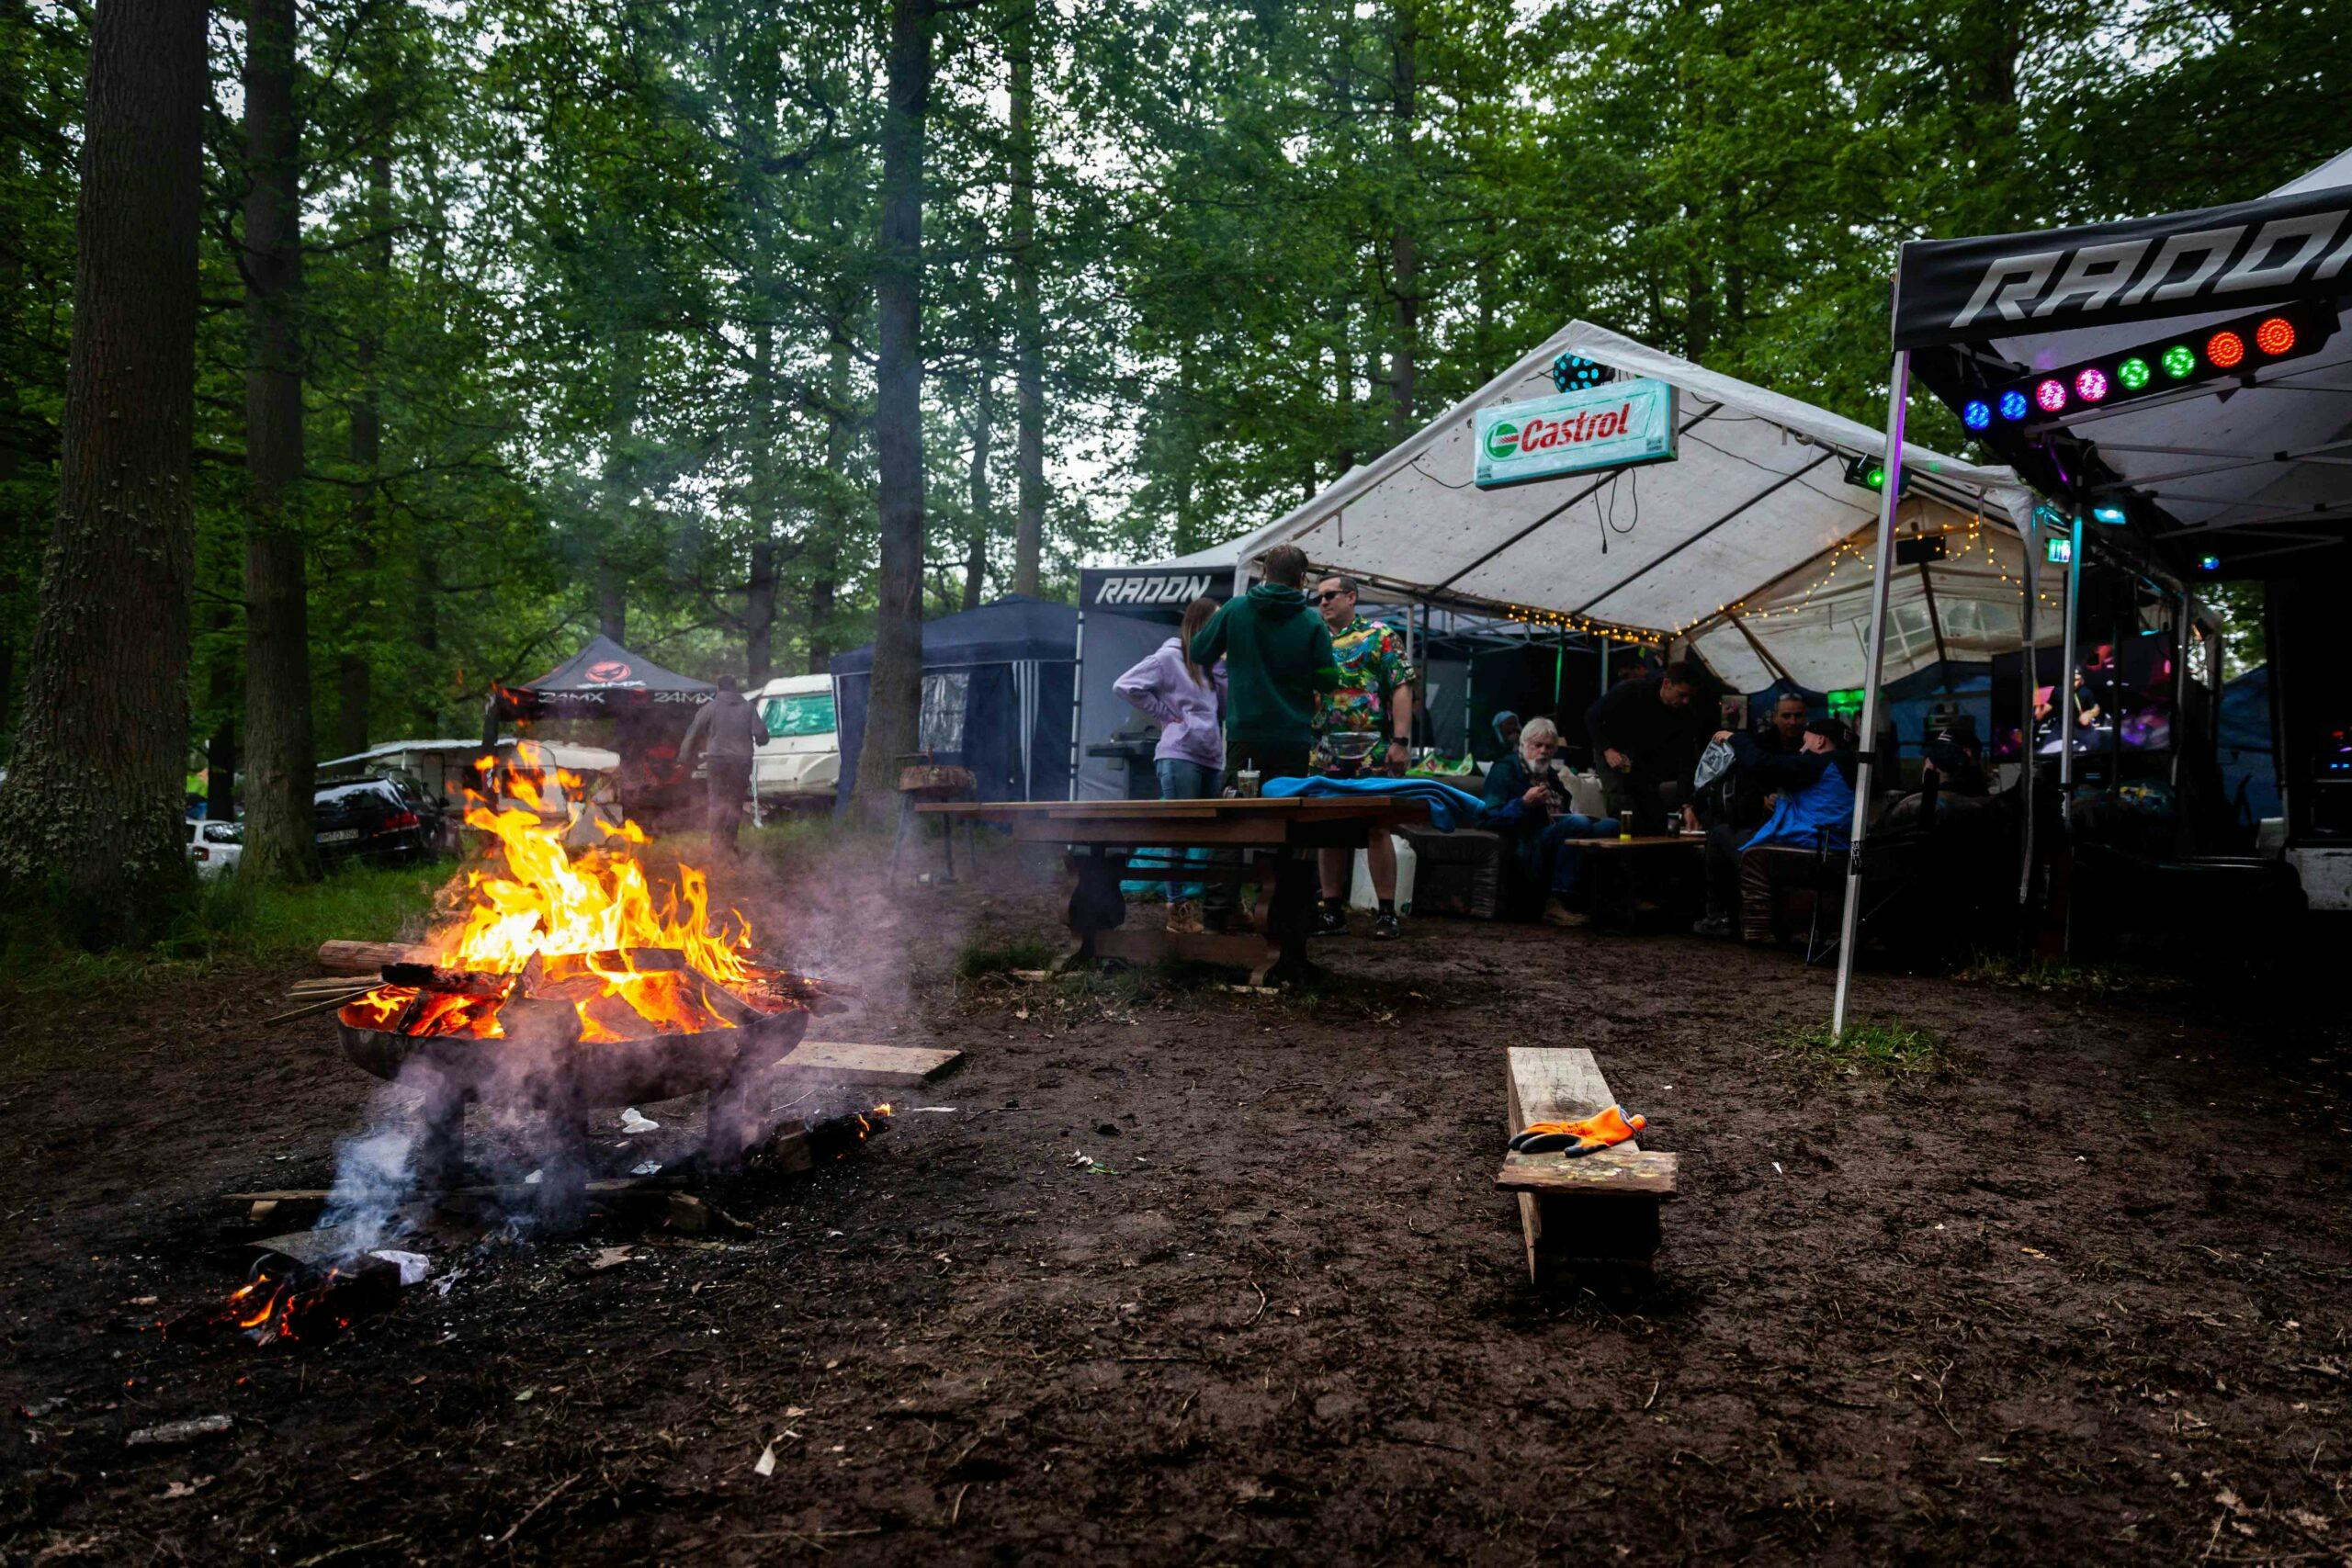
x=2050, y=396
x=2091, y=385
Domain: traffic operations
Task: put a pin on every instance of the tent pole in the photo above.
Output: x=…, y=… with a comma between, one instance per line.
x=2184, y=626
x=2028, y=641
x=2063, y=693
x=1077, y=699
x=1849, y=918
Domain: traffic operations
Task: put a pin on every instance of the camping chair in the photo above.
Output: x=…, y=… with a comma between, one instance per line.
x=1889, y=863
x=920, y=779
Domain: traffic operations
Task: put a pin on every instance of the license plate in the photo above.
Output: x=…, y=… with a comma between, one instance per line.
x=339, y=836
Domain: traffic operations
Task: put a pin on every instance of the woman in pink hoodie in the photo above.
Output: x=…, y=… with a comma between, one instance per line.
x=1188, y=703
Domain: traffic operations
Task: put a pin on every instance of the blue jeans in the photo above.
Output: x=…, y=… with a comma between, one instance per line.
x=1180, y=780
x=1558, y=844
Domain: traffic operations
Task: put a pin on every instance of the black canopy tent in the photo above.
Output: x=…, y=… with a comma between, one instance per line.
x=602, y=681
x=2109, y=364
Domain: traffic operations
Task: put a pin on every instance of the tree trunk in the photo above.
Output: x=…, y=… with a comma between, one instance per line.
x=91, y=813
x=355, y=679
x=895, y=693
x=1404, y=262
x=1028, y=317
x=759, y=615
x=620, y=487
x=981, y=505
x=279, y=759
x=611, y=601
x=1188, y=454
x=824, y=547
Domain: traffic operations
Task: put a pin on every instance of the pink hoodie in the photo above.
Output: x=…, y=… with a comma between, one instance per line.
x=1163, y=688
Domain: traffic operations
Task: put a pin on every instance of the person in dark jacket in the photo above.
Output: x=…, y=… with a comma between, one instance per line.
x=1278, y=657
x=1814, y=813
x=726, y=729
x=1644, y=743
x=1732, y=808
x=1528, y=806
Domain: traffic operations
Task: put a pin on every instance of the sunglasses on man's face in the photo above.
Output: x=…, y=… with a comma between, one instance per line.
x=1330, y=593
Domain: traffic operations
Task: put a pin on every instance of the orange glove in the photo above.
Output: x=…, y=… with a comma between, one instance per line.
x=1601, y=1131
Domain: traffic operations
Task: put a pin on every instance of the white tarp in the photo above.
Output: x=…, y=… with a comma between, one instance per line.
x=1748, y=515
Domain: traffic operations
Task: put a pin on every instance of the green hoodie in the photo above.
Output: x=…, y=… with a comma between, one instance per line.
x=1277, y=654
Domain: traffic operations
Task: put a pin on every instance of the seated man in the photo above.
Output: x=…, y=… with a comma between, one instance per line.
x=1731, y=809
x=1815, y=811
x=1527, y=804
x=1643, y=742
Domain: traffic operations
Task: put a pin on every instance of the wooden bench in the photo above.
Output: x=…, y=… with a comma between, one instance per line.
x=1628, y=868
x=1602, y=1209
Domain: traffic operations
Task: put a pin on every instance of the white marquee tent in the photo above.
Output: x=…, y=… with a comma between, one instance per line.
x=1751, y=546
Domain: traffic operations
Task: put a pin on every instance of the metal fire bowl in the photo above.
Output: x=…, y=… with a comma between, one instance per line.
x=605, y=1073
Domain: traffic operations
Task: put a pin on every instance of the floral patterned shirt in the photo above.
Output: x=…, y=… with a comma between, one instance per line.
x=1372, y=664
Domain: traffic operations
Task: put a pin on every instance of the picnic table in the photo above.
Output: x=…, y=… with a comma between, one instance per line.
x=1627, y=866
x=1107, y=840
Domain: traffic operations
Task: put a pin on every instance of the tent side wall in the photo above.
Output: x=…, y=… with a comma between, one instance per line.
x=1115, y=644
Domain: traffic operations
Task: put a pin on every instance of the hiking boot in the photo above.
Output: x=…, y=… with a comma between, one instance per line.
x=1388, y=927
x=1184, y=917
x=1565, y=917
x=1330, y=920
x=1715, y=926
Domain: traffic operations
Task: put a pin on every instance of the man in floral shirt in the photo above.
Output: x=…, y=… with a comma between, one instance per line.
x=1375, y=697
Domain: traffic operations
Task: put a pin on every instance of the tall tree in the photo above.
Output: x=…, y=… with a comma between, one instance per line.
x=1028, y=315
x=896, y=687
x=279, y=760
x=90, y=813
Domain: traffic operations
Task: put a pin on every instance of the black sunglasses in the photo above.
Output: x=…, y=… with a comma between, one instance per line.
x=1329, y=594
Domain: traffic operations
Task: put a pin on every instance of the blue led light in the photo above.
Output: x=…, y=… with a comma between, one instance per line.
x=2208, y=563
x=2110, y=515
x=2013, y=406
x=1977, y=416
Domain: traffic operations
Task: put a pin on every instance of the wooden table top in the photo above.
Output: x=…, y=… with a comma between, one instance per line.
x=1646, y=841
x=1404, y=807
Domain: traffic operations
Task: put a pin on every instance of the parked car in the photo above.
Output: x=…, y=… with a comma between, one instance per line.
x=383, y=818
x=215, y=847
x=801, y=763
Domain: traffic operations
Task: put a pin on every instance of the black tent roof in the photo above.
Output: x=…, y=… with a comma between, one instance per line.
x=597, y=683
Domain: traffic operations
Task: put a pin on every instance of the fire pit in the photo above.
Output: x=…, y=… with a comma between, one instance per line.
x=567, y=984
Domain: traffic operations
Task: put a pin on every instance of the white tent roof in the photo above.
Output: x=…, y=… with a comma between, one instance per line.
x=1754, y=519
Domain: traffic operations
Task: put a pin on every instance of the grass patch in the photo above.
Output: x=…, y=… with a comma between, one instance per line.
x=995, y=956
x=232, y=918
x=1873, y=1050
x=2056, y=974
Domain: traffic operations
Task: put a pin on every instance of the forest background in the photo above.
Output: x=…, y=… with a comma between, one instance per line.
x=523, y=320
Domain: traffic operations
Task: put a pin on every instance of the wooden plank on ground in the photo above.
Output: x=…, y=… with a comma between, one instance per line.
x=1149, y=944
x=842, y=1061
x=1602, y=1216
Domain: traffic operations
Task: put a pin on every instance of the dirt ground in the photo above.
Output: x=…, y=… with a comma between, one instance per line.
x=2085, y=1298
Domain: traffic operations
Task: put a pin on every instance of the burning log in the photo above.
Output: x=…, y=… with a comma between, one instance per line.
x=368, y=957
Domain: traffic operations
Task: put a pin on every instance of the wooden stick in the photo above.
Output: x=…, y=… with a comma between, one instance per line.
x=324, y=1004
x=368, y=957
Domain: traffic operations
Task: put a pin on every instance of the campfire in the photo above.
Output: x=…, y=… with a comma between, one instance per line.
x=568, y=981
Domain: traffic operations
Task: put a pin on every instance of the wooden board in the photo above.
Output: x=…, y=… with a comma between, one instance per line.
x=1603, y=1216
x=1623, y=1172
x=842, y=1062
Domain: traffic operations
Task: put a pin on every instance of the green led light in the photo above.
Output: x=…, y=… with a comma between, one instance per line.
x=2179, y=361
x=1878, y=479
x=2132, y=372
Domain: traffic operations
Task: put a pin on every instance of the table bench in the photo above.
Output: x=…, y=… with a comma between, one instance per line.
x=1598, y=1210
x=1104, y=836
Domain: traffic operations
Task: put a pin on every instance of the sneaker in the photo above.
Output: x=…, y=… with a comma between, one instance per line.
x=1565, y=917
x=1387, y=928
x=1185, y=917
x=1330, y=920
x=1715, y=926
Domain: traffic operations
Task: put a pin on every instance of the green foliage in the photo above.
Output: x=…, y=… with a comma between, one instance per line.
x=1873, y=1049
x=998, y=955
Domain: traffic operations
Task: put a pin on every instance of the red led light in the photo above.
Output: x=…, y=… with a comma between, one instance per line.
x=2276, y=335
x=2051, y=396
x=2225, y=349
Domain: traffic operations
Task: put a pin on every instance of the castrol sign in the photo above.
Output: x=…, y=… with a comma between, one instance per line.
x=1617, y=425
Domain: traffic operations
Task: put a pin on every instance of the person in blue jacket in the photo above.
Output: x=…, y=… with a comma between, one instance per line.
x=1815, y=784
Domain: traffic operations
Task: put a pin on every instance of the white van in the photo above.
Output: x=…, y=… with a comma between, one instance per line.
x=801, y=763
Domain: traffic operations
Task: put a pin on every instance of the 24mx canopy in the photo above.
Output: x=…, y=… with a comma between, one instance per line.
x=1752, y=543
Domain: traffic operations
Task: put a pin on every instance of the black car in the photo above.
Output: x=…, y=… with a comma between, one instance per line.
x=382, y=817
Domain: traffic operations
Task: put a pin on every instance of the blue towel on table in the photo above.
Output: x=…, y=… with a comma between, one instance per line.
x=1449, y=807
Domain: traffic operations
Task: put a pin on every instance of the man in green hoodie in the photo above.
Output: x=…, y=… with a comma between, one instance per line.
x=1277, y=654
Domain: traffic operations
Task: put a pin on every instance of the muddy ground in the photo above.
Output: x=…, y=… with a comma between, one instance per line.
x=2085, y=1297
